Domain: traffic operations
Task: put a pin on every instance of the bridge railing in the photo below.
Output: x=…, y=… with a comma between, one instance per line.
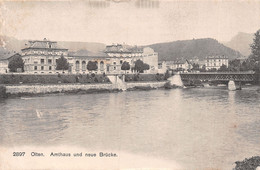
x=214, y=73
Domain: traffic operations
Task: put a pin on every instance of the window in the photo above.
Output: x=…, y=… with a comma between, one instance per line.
x=83, y=65
x=101, y=65
x=42, y=68
x=114, y=63
x=49, y=61
x=35, y=67
x=121, y=61
x=50, y=68
x=42, y=61
x=77, y=65
x=114, y=68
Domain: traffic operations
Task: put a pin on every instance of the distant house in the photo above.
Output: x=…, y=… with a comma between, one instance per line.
x=162, y=67
x=4, y=60
x=178, y=65
x=215, y=62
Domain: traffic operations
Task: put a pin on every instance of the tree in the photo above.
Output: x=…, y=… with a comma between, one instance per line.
x=195, y=66
x=125, y=66
x=166, y=75
x=92, y=66
x=223, y=68
x=146, y=66
x=234, y=65
x=62, y=63
x=140, y=66
x=255, y=50
x=248, y=65
x=255, y=47
x=203, y=69
x=15, y=63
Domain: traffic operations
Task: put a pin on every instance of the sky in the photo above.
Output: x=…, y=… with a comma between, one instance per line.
x=134, y=22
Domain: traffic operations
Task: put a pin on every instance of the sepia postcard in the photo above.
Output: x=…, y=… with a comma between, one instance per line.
x=130, y=85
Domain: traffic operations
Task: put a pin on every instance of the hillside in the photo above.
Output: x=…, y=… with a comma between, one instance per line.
x=167, y=51
x=13, y=44
x=190, y=48
x=241, y=42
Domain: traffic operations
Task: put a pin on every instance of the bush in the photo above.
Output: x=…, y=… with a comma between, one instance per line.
x=3, y=92
x=248, y=164
x=144, y=77
x=167, y=85
x=166, y=75
x=136, y=77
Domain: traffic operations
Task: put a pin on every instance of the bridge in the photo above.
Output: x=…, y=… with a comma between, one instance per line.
x=248, y=76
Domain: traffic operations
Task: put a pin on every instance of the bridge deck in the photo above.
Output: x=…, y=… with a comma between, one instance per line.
x=219, y=73
x=220, y=76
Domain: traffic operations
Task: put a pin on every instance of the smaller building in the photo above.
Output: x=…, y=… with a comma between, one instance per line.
x=162, y=67
x=4, y=61
x=178, y=65
x=3, y=66
x=215, y=62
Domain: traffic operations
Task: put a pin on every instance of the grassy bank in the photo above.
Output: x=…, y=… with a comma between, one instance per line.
x=51, y=79
x=145, y=77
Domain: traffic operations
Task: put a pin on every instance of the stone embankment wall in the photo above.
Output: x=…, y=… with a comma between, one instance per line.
x=60, y=88
x=146, y=84
x=42, y=89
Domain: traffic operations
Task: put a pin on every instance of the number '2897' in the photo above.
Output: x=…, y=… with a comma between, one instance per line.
x=18, y=153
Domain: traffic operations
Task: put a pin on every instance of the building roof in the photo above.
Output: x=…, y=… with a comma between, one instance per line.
x=88, y=54
x=178, y=61
x=8, y=55
x=123, y=48
x=217, y=57
x=43, y=44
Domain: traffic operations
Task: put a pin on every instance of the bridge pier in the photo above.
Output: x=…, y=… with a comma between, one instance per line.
x=234, y=86
x=231, y=85
x=176, y=80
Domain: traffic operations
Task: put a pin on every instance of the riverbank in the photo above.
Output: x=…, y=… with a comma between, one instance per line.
x=42, y=89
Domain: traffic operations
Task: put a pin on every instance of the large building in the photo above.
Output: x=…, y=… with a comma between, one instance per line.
x=119, y=53
x=79, y=60
x=41, y=56
x=215, y=62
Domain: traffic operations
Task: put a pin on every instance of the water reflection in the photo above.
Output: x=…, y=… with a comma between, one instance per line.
x=202, y=128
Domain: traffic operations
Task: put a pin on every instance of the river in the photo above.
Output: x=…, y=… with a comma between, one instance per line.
x=197, y=128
